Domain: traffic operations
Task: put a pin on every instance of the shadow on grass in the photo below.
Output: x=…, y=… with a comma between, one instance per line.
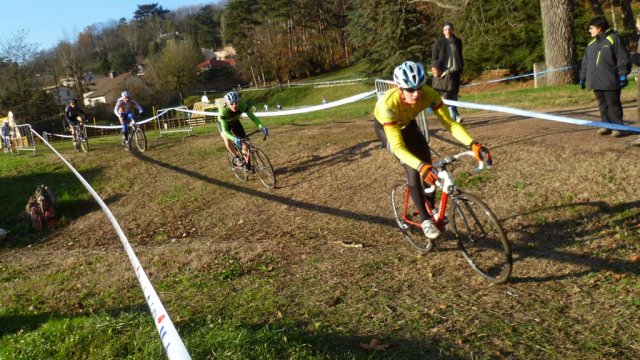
x=14, y=324
x=284, y=340
x=546, y=239
x=273, y=340
x=352, y=153
x=74, y=200
x=347, y=214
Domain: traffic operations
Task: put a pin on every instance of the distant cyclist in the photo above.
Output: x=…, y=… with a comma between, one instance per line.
x=231, y=129
x=398, y=130
x=5, y=131
x=74, y=115
x=125, y=105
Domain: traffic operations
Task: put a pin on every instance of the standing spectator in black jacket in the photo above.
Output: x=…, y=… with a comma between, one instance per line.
x=447, y=65
x=604, y=70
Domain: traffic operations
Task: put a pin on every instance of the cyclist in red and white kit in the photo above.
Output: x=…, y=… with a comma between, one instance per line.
x=125, y=106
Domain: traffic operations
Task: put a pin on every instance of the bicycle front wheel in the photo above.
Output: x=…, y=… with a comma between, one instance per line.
x=140, y=139
x=84, y=141
x=481, y=238
x=262, y=167
x=406, y=213
x=237, y=171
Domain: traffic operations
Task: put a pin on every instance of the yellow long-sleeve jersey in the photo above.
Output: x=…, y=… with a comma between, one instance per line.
x=395, y=115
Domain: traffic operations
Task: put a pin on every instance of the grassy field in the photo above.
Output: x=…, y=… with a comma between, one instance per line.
x=316, y=269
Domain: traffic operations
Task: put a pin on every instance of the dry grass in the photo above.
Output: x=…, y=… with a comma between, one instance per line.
x=212, y=245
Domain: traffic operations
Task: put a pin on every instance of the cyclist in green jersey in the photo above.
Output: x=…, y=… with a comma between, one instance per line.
x=231, y=129
x=398, y=130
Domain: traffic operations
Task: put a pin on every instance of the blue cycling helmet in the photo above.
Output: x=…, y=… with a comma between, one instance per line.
x=231, y=98
x=409, y=75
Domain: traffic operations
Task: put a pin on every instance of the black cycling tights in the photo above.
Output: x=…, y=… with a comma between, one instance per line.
x=418, y=146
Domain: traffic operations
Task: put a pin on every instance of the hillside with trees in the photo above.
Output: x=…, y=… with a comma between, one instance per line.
x=277, y=41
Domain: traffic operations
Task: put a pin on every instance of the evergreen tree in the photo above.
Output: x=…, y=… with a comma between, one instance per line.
x=387, y=32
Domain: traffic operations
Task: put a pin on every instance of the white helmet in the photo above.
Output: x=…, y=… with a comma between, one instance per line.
x=409, y=75
x=231, y=98
x=125, y=94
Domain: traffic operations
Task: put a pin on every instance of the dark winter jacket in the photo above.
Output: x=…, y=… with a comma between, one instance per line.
x=605, y=60
x=72, y=113
x=440, y=52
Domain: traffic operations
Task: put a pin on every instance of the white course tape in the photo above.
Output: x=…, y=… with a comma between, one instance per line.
x=58, y=135
x=173, y=345
x=543, y=116
x=120, y=126
x=302, y=110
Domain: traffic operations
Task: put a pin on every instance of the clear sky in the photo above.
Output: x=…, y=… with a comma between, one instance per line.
x=49, y=21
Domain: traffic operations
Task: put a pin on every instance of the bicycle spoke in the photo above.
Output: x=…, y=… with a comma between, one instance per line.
x=237, y=171
x=140, y=140
x=481, y=238
x=404, y=211
x=262, y=167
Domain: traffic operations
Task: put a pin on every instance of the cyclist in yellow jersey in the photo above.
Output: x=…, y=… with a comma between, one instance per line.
x=398, y=130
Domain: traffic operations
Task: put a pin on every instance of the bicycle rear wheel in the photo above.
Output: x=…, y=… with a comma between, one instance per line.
x=237, y=171
x=262, y=167
x=8, y=146
x=481, y=238
x=140, y=139
x=84, y=141
x=404, y=210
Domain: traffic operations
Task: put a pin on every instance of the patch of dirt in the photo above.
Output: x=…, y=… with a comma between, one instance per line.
x=492, y=80
x=567, y=199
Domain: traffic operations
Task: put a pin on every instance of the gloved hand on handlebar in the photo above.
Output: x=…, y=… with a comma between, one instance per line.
x=238, y=143
x=428, y=174
x=265, y=131
x=481, y=152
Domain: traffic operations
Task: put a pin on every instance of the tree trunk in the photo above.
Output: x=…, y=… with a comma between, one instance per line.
x=627, y=15
x=596, y=8
x=559, y=40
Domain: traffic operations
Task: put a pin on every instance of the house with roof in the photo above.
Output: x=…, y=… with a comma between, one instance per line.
x=108, y=89
x=214, y=64
x=222, y=54
x=61, y=93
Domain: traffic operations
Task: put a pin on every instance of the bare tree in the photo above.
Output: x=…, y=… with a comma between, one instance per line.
x=559, y=40
x=175, y=67
x=75, y=60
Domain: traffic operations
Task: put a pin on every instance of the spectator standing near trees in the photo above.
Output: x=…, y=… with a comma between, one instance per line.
x=604, y=70
x=447, y=65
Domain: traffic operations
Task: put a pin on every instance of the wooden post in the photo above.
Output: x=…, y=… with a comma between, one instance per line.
x=539, y=80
